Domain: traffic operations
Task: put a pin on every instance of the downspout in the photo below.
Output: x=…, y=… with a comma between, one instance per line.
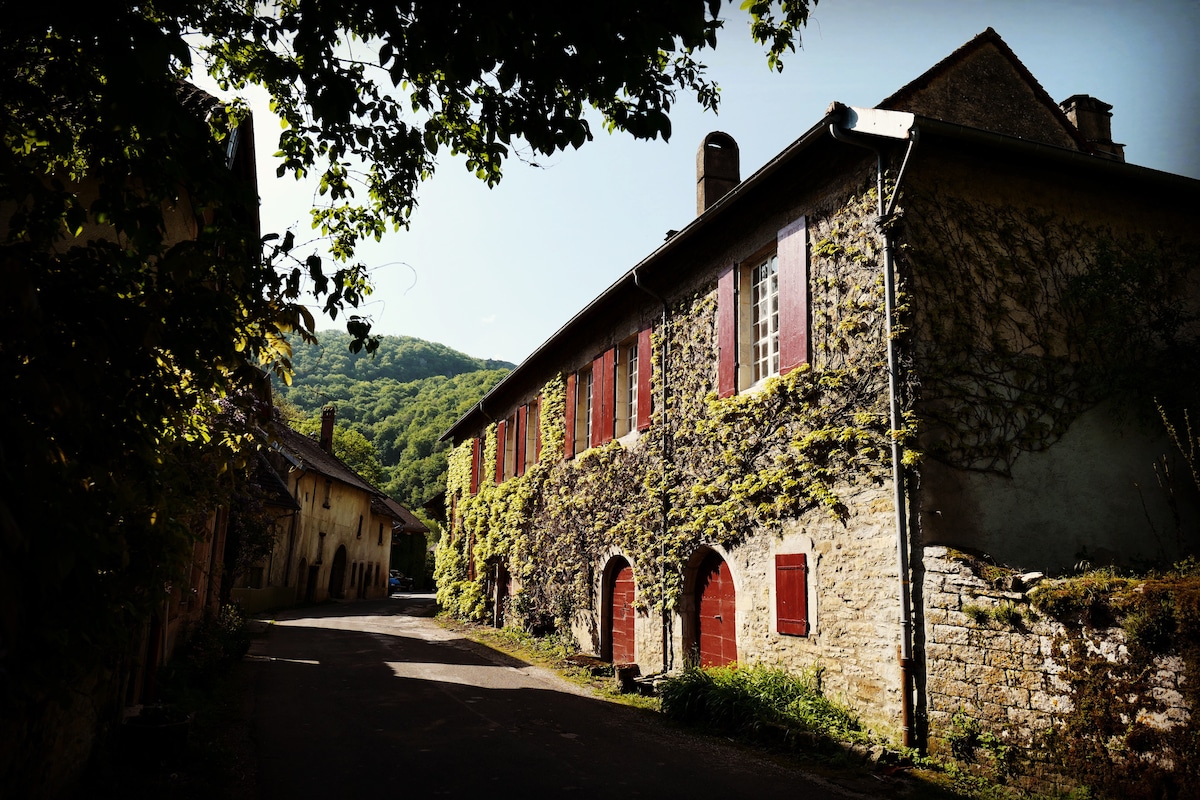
x=899, y=496
x=666, y=501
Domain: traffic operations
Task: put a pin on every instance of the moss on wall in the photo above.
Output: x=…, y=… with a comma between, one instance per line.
x=732, y=466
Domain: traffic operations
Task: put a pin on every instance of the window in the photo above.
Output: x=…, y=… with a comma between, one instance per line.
x=380, y=534
x=627, y=387
x=758, y=295
x=762, y=313
x=611, y=397
x=579, y=412
x=532, y=428
x=476, y=464
x=506, y=448
x=791, y=594
x=360, y=522
x=328, y=492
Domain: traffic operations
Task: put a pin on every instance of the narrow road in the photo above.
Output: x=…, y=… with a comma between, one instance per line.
x=374, y=699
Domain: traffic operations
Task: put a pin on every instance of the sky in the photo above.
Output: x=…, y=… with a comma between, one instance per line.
x=495, y=272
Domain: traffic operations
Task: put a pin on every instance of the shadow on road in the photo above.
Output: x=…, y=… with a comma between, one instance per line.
x=402, y=706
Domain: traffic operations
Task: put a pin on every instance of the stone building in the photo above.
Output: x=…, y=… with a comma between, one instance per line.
x=335, y=540
x=942, y=322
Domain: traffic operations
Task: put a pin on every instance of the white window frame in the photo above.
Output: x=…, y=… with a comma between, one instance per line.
x=758, y=319
x=583, y=411
x=510, y=447
x=626, y=387
x=532, y=427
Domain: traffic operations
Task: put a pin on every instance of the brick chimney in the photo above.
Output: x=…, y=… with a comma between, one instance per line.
x=717, y=169
x=1093, y=119
x=327, y=416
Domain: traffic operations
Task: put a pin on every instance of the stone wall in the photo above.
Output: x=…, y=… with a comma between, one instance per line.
x=854, y=605
x=1002, y=680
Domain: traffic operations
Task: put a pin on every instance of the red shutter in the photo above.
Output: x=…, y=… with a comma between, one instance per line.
x=644, y=379
x=609, y=412
x=604, y=397
x=793, y=296
x=727, y=332
x=597, y=401
x=569, y=443
x=522, y=426
x=500, y=451
x=791, y=594
x=537, y=452
x=475, y=455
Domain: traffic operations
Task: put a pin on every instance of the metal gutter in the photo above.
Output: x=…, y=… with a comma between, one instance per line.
x=666, y=465
x=870, y=128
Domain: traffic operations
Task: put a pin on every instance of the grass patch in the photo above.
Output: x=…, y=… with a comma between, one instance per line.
x=753, y=702
x=553, y=651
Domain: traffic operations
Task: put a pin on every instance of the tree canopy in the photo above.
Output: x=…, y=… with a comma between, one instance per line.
x=400, y=400
x=140, y=295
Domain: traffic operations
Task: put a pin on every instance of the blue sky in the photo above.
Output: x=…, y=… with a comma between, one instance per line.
x=494, y=273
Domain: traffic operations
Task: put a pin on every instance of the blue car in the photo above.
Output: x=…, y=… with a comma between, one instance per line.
x=399, y=582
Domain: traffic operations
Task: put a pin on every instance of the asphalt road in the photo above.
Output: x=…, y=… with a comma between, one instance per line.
x=374, y=699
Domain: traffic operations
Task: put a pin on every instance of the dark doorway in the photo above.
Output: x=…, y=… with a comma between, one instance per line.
x=337, y=574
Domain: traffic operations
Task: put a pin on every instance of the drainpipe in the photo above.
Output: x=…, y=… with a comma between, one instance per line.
x=891, y=125
x=666, y=503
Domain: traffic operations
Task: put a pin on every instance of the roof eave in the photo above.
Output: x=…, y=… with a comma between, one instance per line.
x=474, y=416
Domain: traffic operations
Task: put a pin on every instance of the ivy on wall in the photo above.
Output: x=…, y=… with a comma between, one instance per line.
x=1027, y=320
x=730, y=467
x=1120, y=734
x=1024, y=321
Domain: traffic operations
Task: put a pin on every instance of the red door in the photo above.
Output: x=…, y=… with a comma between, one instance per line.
x=622, y=616
x=716, y=601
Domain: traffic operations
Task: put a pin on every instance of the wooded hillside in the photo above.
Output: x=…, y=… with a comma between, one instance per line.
x=401, y=398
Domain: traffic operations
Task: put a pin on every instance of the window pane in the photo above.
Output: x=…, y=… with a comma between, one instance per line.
x=764, y=296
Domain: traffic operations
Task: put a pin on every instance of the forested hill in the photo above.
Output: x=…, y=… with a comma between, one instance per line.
x=401, y=399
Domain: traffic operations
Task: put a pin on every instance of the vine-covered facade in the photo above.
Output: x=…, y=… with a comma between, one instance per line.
x=737, y=454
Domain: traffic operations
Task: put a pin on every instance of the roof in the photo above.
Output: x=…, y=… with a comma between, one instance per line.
x=406, y=521
x=306, y=453
x=309, y=455
x=983, y=84
x=274, y=487
x=816, y=150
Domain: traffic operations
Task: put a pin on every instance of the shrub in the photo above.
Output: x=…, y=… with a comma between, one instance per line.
x=745, y=700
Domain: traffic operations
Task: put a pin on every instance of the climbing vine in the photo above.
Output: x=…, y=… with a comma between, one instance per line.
x=1027, y=320
x=1120, y=734
x=730, y=466
x=1019, y=317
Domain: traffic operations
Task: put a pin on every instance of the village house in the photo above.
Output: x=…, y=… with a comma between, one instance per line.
x=336, y=542
x=935, y=326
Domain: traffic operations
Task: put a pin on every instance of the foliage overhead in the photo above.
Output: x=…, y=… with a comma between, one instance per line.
x=141, y=295
x=372, y=92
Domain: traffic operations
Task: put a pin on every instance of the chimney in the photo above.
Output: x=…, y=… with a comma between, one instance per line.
x=717, y=169
x=1093, y=119
x=327, y=415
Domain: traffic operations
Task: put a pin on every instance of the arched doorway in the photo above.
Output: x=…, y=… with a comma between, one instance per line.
x=716, y=612
x=617, y=625
x=306, y=584
x=337, y=574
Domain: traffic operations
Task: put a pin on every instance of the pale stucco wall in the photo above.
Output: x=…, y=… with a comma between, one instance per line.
x=340, y=524
x=1094, y=495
